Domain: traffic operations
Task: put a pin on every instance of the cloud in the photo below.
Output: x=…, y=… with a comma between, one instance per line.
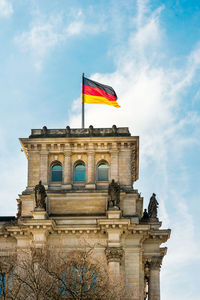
x=47, y=33
x=152, y=97
x=6, y=9
x=40, y=39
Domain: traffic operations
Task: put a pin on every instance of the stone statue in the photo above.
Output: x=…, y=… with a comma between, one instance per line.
x=153, y=207
x=91, y=130
x=40, y=195
x=114, y=129
x=44, y=130
x=68, y=131
x=114, y=193
x=145, y=217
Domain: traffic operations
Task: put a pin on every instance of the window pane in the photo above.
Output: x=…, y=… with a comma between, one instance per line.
x=102, y=172
x=79, y=172
x=2, y=283
x=57, y=168
x=56, y=173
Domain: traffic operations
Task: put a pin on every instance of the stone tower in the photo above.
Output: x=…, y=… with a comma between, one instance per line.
x=76, y=167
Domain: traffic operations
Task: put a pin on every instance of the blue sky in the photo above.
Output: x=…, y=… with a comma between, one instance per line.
x=149, y=51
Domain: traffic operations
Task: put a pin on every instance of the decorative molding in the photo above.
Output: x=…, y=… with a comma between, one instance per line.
x=114, y=254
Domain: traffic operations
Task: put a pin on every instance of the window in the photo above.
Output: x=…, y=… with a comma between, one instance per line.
x=2, y=284
x=79, y=281
x=79, y=172
x=102, y=172
x=56, y=172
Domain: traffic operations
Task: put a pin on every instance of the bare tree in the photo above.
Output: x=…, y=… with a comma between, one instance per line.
x=10, y=288
x=51, y=274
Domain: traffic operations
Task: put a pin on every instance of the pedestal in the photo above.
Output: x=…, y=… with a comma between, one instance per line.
x=39, y=214
x=114, y=213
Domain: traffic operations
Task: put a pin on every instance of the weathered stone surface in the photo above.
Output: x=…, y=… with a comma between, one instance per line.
x=78, y=211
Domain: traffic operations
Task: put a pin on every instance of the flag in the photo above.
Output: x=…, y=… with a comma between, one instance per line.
x=97, y=93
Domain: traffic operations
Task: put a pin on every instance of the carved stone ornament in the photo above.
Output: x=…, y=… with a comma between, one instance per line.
x=40, y=195
x=114, y=254
x=19, y=208
x=156, y=263
x=114, y=193
x=147, y=270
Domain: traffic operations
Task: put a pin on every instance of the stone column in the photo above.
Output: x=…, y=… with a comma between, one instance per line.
x=154, y=279
x=90, y=171
x=67, y=171
x=44, y=167
x=114, y=164
x=114, y=256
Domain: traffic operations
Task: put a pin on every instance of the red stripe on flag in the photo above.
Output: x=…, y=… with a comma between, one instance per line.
x=88, y=90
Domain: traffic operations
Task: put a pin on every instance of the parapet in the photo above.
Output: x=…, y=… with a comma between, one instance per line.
x=80, y=132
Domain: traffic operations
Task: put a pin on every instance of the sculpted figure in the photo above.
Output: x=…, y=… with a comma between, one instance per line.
x=145, y=216
x=114, y=193
x=114, y=129
x=153, y=207
x=40, y=195
x=68, y=131
x=91, y=130
x=44, y=130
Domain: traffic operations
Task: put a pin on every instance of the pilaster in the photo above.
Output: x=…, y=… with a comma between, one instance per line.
x=44, y=167
x=67, y=170
x=114, y=256
x=115, y=163
x=91, y=171
x=154, y=278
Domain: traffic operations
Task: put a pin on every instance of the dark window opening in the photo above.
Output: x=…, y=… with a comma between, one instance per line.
x=56, y=173
x=102, y=172
x=79, y=172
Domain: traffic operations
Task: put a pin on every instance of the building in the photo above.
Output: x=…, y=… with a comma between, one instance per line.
x=76, y=167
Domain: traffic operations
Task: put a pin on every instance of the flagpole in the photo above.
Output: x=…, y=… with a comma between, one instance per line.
x=83, y=108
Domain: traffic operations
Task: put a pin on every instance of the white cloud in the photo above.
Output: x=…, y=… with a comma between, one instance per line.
x=74, y=28
x=45, y=34
x=151, y=94
x=6, y=9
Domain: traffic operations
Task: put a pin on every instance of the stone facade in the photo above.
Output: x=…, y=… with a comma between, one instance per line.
x=79, y=209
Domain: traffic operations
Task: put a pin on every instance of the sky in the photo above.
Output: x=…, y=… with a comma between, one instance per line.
x=149, y=52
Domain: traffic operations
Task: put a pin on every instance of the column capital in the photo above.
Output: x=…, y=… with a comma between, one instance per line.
x=114, y=254
x=67, y=152
x=156, y=262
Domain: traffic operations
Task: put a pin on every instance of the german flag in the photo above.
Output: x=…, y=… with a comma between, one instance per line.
x=97, y=93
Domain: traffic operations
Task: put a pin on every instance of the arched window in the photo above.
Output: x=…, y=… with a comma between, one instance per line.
x=79, y=172
x=56, y=172
x=102, y=172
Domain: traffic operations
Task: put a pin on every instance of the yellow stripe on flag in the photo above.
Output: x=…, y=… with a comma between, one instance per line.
x=99, y=100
